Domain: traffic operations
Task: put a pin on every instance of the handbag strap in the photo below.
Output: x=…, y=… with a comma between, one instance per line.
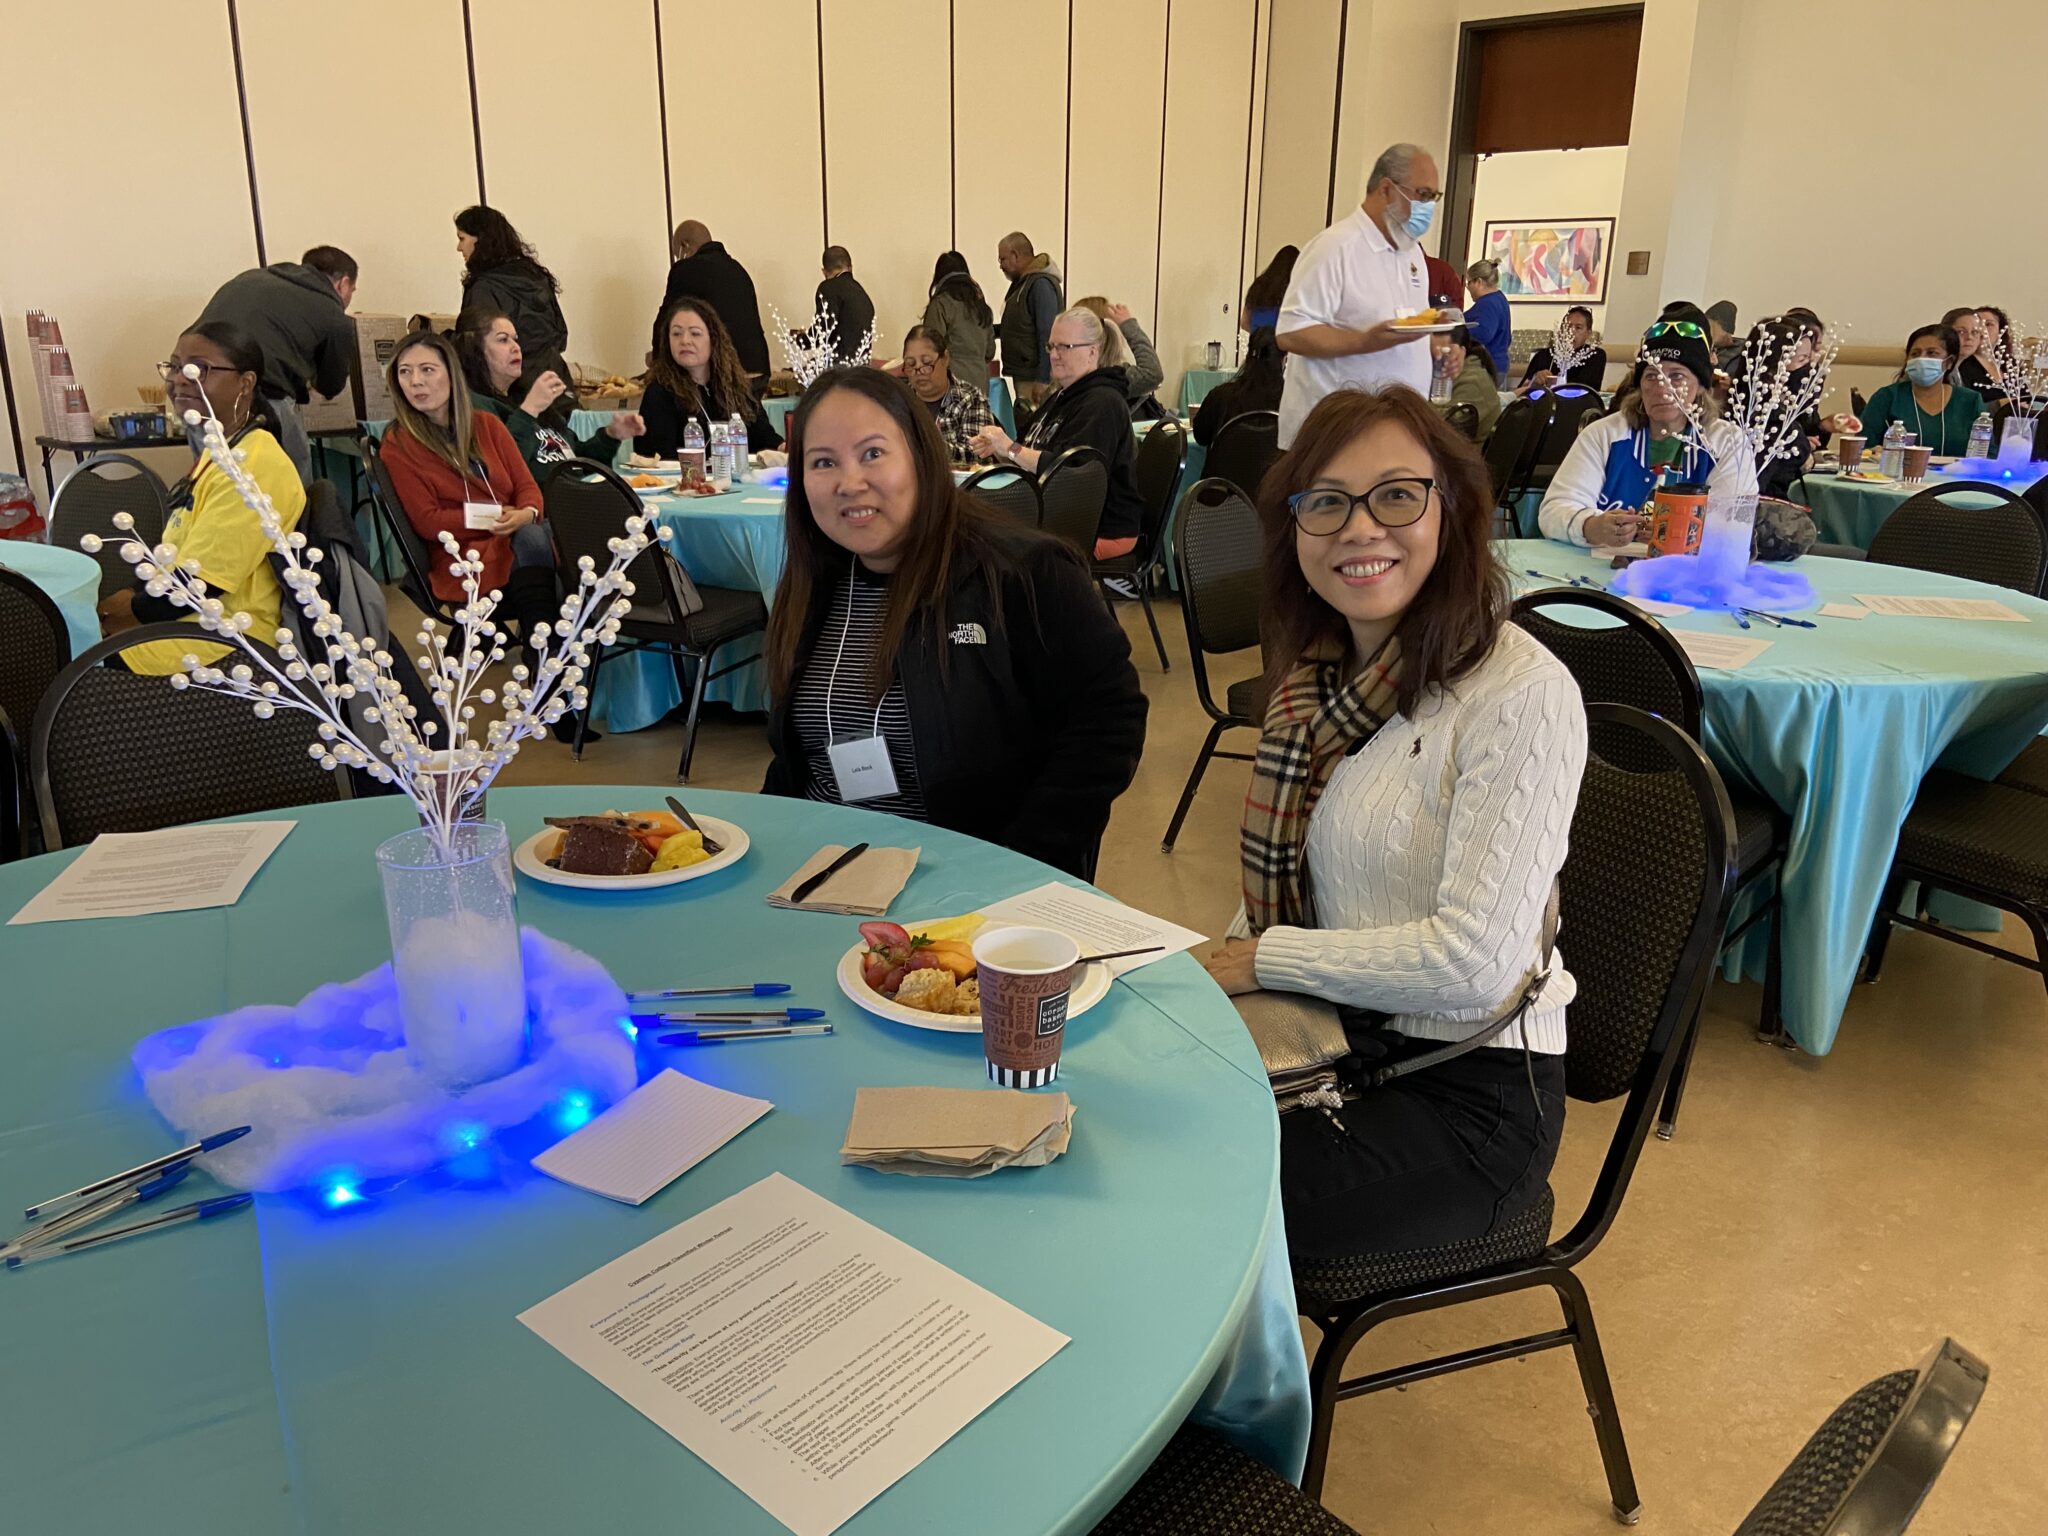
x=1495, y=1029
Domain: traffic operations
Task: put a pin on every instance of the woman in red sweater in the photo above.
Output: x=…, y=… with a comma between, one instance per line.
x=457, y=470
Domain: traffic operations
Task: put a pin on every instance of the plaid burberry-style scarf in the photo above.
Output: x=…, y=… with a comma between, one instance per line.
x=1317, y=715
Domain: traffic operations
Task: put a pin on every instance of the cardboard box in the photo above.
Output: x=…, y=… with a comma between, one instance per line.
x=377, y=338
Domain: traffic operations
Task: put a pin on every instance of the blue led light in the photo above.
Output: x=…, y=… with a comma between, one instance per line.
x=575, y=1111
x=340, y=1192
x=468, y=1134
x=632, y=1030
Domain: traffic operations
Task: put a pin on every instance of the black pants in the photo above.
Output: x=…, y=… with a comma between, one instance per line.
x=1440, y=1156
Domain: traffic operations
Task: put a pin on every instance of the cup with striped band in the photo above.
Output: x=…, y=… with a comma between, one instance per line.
x=1026, y=975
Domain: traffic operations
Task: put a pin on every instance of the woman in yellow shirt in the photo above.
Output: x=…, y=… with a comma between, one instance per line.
x=209, y=521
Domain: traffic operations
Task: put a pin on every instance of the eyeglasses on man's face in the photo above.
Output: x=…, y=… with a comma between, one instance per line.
x=1419, y=194
x=1324, y=510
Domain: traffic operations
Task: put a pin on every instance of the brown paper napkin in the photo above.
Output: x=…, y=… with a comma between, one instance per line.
x=863, y=889
x=959, y=1133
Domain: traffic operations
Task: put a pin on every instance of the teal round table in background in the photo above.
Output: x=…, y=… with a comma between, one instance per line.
x=333, y=1374
x=71, y=580
x=1837, y=725
x=1851, y=511
x=1195, y=385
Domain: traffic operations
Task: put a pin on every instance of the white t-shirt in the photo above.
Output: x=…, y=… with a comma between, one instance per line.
x=1351, y=275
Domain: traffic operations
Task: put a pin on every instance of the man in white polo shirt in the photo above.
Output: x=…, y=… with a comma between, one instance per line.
x=1350, y=284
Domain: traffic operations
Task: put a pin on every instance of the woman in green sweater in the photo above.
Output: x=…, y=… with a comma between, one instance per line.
x=535, y=410
x=1938, y=413
x=1460, y=358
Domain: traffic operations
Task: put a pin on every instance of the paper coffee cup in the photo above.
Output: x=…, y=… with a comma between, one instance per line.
x=1025, y=977
x=1916, y=464
x=1849, y=451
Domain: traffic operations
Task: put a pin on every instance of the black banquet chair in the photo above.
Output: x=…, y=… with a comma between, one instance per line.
x=416, y=556
x=671, y=615
x=1510, y=455
x=1244, y=449
x=86, y=502
x=1627, y=657
x=1072, y=490
x=1161, y=457
x=1009, y=491
x=1645, y=917
x=115, y=751
x=1936, y=529
x=1867, y=1468
x=1216, y=547
x=1202, y=1485
x=35, y=646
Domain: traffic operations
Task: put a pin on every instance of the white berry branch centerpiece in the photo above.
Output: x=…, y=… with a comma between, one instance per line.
x=1566, y=351
x=809, y=352
x=1767, y=404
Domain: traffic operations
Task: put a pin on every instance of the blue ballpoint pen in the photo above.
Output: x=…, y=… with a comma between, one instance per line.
x=758, y=989
x=94, y=1210
x=203, y=1210
x=198, y=1148
x=743, y=1020
x=723, y=1036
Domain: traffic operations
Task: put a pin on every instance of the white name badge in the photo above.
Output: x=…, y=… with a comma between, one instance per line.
x=862, y=769
x=480, y=514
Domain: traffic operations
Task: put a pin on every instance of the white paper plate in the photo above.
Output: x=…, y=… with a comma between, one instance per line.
x=1089, y=990
x=527, y=860
x=1441, y=328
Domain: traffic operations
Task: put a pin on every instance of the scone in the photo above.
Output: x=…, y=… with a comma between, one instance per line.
x=931, y=990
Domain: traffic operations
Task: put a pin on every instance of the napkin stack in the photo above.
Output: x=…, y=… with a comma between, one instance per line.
x=863, y=889
x=958, y=1133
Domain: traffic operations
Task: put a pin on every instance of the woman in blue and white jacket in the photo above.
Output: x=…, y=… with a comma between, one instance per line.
x=1599, y=493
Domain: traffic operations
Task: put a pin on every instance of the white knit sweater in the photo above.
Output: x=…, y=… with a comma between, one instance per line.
x=1431, y=855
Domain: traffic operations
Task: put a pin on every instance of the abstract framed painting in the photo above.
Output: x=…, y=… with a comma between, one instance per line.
x=1551, y=261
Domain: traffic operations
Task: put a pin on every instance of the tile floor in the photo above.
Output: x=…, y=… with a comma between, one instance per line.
x=1816, y=1223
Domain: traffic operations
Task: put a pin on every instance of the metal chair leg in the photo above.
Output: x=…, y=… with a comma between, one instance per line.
x=1187, y=795
x=1881, y=924
x=1325, y=1376
x=1145, y=602
x=690, y=722
x=1674, y=1090
x=1770, y=1024
x=1600, y=1405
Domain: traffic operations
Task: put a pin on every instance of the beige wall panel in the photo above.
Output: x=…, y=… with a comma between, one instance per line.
x=888, y=161
x=1010, y=125
x=1301, y=80
x=363, y=140
x=1208, y=98
x=126, y=263
x=743, y=139
x=572, y=155
x=1119, y=63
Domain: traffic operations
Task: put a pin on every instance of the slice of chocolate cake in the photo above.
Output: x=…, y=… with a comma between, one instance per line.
x=597, y=847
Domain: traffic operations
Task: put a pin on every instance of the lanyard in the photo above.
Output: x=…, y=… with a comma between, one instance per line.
x=831, y=726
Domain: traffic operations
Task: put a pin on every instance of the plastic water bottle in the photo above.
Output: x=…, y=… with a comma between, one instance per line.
x=719, y=472
x=693, y=450
x=736, y=437
x=1980, y=437
x=1891, y=459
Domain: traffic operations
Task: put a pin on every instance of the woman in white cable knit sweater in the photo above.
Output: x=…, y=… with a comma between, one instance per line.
x=1406, y=822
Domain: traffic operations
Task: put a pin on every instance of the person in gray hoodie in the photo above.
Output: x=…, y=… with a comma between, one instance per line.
x=297, y=313
x=959, y=313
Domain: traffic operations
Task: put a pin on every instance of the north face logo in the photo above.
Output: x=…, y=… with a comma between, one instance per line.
x=969, y=634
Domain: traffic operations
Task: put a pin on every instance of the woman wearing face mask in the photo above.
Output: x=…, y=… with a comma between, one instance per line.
x=209, y=522
x=1404, y=831
x=1487, y=317
x=534, y=408
x=1666, y=419
x=452, y=466
x=957, y=407
x=1090, y=409
x=929, y=658
x=696, y=375
x=1937, y=412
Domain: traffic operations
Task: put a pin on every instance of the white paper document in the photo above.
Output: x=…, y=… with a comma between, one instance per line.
x=1844, y=611
x=180, y=869
x=1727, y=653
x=650, y=1138
x=1939, y=607
x=810, y=1358
x=1099, y=925
x=1656, y=605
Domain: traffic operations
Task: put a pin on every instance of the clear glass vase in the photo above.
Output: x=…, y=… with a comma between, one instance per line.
x=2016, y=442
x=455, y=951
x=1726, y=533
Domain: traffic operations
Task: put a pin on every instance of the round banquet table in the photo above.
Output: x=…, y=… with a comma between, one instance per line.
x=1851, y=511
x=365, y=1371
x=70, y=577
x=1838, y=725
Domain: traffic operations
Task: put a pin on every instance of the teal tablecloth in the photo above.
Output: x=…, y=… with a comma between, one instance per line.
x=71, y=579
x=734, y=540
x=1838, y=725
x=1195, y=385
x=1851, y=511
x=331, y=1375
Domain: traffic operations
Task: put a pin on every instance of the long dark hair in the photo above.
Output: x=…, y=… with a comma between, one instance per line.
x=728, y=376
x=951, y=265
x=1456, y=617
x=1951, y=343
x=1263, y=378
x=471, y=327
x=497, y=242
x=246, y=353
x=1269, y=288
x=1463, y=337
x=951, y=532
x=455, y=444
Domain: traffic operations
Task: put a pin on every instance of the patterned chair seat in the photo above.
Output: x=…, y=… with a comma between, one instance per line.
x=1202, y=1485
x=1989, y=835
x=1321, y=1284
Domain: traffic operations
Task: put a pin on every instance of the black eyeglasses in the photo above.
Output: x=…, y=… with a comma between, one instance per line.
x=1392, y=503
x=1070, y=346
x=173, y=368
x=1677, y=328
x=913, y=365
x=1420, y=194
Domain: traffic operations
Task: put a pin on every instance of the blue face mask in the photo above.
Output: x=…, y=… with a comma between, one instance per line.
x=1420, y=217
x=1925, y=371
